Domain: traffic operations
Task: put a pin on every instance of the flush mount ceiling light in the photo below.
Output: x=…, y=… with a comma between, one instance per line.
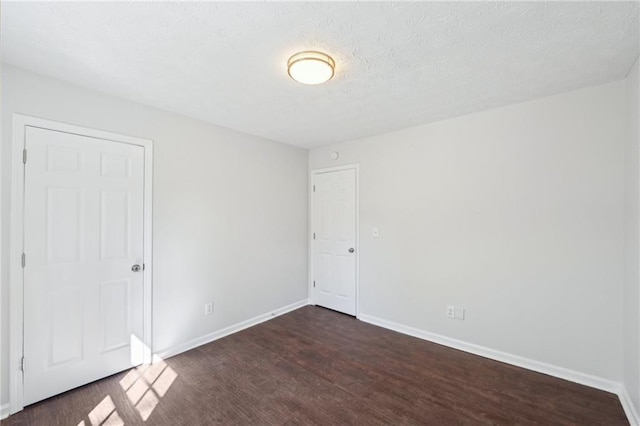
x=311, y=67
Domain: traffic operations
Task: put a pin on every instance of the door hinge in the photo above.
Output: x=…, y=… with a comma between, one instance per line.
x=24, y=260
x=314, y=188
x=314, y=235
x=314, y=284
x=143, y=266
x=22, y=364
x=24, y=155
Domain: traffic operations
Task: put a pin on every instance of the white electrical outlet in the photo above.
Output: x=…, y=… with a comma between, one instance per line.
x=459, y=313
x=208, y=308
x=451, y=311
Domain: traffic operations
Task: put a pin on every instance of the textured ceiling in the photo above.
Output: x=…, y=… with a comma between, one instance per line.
x=398, y=64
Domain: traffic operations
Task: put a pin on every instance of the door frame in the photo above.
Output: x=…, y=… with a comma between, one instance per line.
x=312, y=179
x=20, y=123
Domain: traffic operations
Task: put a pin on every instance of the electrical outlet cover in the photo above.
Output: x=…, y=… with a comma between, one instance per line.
x=451, y=311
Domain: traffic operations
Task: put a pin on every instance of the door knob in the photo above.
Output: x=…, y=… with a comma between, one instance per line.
x=135, y=268
x=351, y=250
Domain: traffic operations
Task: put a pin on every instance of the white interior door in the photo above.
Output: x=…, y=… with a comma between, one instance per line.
x=83, y=234
x=334, y=243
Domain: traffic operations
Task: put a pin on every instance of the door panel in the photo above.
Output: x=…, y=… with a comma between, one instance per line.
x=334, y=219
x=115, y=212
x=114, y=305
x=64, y=230
x=66, y=339
x=83, y=305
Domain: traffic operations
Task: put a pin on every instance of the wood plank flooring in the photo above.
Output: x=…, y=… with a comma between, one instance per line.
x=316, y=366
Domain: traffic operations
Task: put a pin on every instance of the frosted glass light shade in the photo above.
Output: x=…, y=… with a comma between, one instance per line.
x=311, y=67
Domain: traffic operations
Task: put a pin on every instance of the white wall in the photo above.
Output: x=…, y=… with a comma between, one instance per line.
x=632, y=240
x=230, y=210
x=513, y=213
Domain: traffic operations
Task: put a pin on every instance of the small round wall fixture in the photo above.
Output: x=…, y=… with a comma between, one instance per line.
x=311, y=67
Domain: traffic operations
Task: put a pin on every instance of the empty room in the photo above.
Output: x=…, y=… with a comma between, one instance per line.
x=320, y=213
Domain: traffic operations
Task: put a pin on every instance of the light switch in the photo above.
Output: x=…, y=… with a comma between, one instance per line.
x=376, y=232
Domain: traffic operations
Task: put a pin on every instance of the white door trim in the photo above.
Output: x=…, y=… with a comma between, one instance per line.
x=312, y=175
x=16, y=244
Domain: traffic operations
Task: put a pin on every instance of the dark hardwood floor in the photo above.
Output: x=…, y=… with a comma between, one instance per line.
x=316, y=366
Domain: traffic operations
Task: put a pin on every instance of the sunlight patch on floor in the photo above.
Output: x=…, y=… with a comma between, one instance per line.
x=104, y=414
x=146, y=385
x=147, y=404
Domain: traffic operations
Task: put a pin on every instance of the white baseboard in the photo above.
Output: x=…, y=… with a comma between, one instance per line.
x=529, y=364
x=4, y=411
x=629, y=407
x=208, y=338
x=540, y=367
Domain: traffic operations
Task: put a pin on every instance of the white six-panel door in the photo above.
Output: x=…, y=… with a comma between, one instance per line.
x=334, y=240
x=83, y=233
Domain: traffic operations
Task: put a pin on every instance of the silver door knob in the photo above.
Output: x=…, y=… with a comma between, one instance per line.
x=351, y=250
x=135, y=268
